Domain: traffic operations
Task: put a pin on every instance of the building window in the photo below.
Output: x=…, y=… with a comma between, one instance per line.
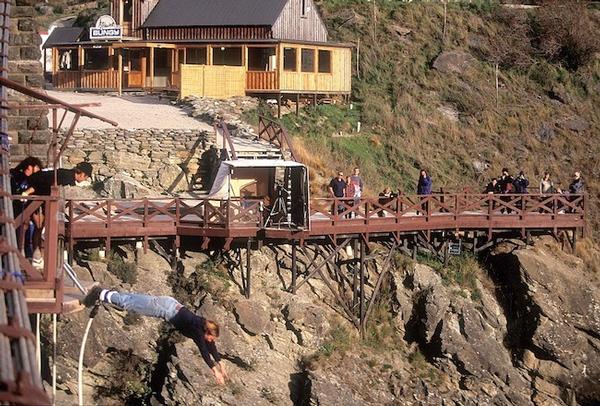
x=195, y=56
x=304, y=10
x=289, y=59
x=68, y=59
x=324, y=61
x=96, y=59
x=229, y=56
x=308, y=60
x=261, y=59
x=128, y=11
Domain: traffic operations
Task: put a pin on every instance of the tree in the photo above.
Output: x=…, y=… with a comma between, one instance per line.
x=510, y=47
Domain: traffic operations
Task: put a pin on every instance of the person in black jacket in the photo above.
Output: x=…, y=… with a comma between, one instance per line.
x=40, y=184
x=19, y=182
x=202, y=331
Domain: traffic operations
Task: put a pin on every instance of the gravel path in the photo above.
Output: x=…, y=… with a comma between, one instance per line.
x=130, y=112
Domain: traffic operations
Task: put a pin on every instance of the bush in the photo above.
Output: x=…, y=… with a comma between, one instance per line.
x=565, y=32
x=126, y=271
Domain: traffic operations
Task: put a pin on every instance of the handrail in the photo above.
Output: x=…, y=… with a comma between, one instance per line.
x=275, y=132
x=222, y=126
x=234, y=212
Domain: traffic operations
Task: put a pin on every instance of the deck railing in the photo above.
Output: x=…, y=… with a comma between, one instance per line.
x=472, y=210
x=261, y=80
x=87, y=79
x=143, y=217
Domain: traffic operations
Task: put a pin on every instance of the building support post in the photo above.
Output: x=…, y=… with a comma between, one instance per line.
x=248, y=250
x=120, y=73
x=151, y=67
x=294, y=266
x=297, y=104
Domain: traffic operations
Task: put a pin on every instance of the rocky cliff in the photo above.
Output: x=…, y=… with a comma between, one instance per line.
x=526, y=331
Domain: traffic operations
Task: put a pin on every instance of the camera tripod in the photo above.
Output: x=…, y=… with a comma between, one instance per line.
x=279, y=214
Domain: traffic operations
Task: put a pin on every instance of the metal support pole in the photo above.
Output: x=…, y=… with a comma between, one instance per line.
x=294, y=267
x=248, y=248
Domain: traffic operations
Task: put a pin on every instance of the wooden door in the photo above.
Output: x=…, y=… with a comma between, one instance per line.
x=135, y=76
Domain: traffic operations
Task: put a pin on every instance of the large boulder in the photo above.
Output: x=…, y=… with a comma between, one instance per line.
x=172, y=178
x=453, y=62
x=123, y=186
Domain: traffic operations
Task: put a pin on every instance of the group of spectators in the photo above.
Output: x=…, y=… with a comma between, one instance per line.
x=507, y=184
x=29, y=178
x=351, y=188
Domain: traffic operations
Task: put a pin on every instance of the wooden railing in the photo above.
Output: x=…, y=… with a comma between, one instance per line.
x=454, y=210
x=220, y=127
x=87, y=79
x=261, y=80
x=139, y=217
x=275, y=133
x=66, y=79
x=144, y=217
x=48, y=278
x=99, y=79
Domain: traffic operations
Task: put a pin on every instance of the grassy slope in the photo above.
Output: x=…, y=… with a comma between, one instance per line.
x=398, y=95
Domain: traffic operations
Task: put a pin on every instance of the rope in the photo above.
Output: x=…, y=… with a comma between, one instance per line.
x=93, y=314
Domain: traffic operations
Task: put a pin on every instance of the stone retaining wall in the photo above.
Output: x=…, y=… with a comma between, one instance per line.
x=159, y=159
x=25, y=68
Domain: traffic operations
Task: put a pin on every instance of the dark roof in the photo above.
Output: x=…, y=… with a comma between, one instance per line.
x=196, y=13
x=63, y=35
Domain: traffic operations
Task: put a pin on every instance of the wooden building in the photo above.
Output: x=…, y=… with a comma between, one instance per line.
x=214, y=48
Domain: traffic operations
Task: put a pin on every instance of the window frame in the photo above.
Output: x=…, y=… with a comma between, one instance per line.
x=330, y=52
x=295, y=69
x=314, y=61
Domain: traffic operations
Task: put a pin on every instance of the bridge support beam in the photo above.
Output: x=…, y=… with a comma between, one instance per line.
x=294, y=267
x=248, y=268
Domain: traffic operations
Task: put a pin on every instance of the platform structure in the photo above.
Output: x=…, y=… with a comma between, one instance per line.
x=404, y=224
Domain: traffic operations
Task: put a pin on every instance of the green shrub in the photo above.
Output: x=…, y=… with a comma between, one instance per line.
x=126, y=271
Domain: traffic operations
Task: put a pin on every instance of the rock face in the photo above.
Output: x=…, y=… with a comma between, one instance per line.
x=530, y=336
x=453, y=62
x=558, y=323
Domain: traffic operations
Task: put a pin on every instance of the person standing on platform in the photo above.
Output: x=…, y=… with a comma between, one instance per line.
x=424, y=185
x=337, y=190
x=354, y=188
x=19, y=182
x=40, y=184
x=546, y=184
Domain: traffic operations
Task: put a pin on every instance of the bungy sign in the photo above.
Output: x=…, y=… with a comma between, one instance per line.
x=106, y=28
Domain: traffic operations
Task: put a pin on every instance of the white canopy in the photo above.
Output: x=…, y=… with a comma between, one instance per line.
x=235, y=175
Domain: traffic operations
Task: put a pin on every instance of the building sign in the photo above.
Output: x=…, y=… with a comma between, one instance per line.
x=106, y=28
x=454, y=248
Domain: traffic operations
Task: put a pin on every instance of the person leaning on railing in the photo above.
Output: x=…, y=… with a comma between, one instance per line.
x=19, y=182
x=576, y=187
x=40, y=184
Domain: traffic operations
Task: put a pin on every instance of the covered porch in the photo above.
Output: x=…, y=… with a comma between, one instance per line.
x=116, y=67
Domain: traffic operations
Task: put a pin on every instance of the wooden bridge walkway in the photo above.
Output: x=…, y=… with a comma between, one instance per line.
x=244, y=218
x=405, y=224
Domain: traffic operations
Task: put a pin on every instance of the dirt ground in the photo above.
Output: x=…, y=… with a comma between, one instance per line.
x=129, y=111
